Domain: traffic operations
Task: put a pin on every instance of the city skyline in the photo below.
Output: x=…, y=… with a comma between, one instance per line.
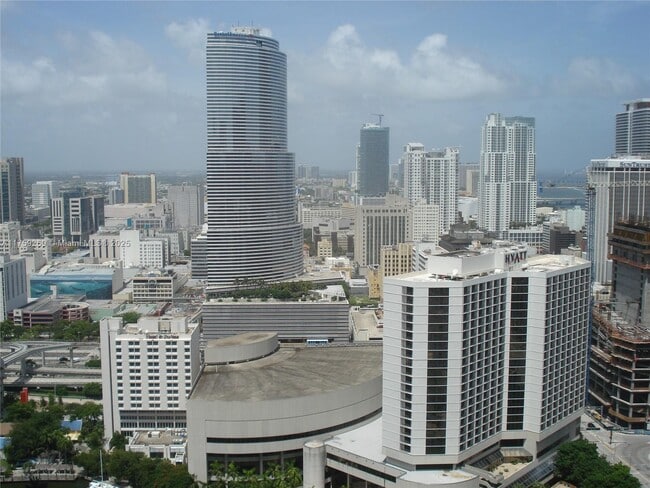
x=113, y=84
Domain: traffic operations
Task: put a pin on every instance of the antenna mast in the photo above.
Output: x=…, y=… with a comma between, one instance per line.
x=379, y=116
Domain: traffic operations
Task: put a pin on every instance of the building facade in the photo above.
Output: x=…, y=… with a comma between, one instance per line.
x=148, y=370
x=620, y=338
x=13, y=284
x=257, y=402
x=380, y=222
x=372, y=164
x=508, y=181
x=253, y=231
x=431, y=176
x=75, y=217
x=617, y=189
x=139, y=188
x=12, y=191
x=187, y=203
x=43, y=192
x=633, y=128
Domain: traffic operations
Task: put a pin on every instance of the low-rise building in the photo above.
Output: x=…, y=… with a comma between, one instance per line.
x=257, y=401
x=315, y=317
x=157, y=285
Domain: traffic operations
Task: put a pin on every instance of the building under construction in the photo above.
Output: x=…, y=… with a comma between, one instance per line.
x=619, y=378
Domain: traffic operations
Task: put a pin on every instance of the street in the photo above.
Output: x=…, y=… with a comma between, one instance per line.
x=632, y=450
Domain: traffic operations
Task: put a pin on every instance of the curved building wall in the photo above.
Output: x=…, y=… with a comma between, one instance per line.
x=273, y=426
x=262, y=425
x=253, y=230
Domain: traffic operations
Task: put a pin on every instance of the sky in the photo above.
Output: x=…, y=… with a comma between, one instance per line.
x=120, y=86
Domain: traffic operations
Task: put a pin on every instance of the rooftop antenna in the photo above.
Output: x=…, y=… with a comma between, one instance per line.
x=379, y=116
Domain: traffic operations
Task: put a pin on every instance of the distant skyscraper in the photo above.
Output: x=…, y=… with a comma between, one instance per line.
x=253, y=230
x=373, y=167
x=432, y=176
x=138, y=188
x=618, y=189
x=508, y=181
x=187, y=205
x=43, y=192
x=633, y=128
x=75, y=217
x=115, y=196
x=12, y=193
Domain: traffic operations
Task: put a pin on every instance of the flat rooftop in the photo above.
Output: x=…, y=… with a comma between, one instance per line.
x=365, y=442
x=292, y=371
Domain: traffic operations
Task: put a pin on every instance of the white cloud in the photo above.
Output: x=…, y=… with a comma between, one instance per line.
x=190, y=36
x=433, y=72
x=597, y=76
x=97, y=69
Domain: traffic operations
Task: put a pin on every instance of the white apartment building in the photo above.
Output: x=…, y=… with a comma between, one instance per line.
x=426, y=221
x=148, y=370
x=432, y=176
x=485, y=356
x=13, y=284
x=617, y=189
x=575, y=218
x=507, y=181
x=145, y=252
x=9, y=237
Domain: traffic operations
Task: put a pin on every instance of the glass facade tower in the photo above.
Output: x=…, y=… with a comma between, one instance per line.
x=253, y=230
x=373, y=160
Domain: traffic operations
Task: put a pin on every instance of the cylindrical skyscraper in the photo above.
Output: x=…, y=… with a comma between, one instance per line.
x=253, y=231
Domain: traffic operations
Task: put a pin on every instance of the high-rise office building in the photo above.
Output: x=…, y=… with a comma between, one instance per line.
x=12, y=192
x=507, y=181
x=253, y=230
x=633, y=128
x=380, y=222
x=138, y=188
x=75, y=217
x=187, y=205
x=43, y=192
x=617, y=189
x=372, y=160
x=432, y=176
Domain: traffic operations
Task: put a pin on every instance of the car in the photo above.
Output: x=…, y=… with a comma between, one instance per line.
x=592, y=426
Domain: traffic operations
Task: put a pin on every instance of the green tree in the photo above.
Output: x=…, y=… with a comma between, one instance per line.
x=18, y=411
x=89, y=461
x=94, y=363
x=38, y=434
x=118, y=441
x=92, y=390
x=130, y=317
x=575, y=460
x=9, y=331
x=616, y=476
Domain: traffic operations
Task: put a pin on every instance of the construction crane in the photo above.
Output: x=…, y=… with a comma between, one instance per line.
x=379, y=116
